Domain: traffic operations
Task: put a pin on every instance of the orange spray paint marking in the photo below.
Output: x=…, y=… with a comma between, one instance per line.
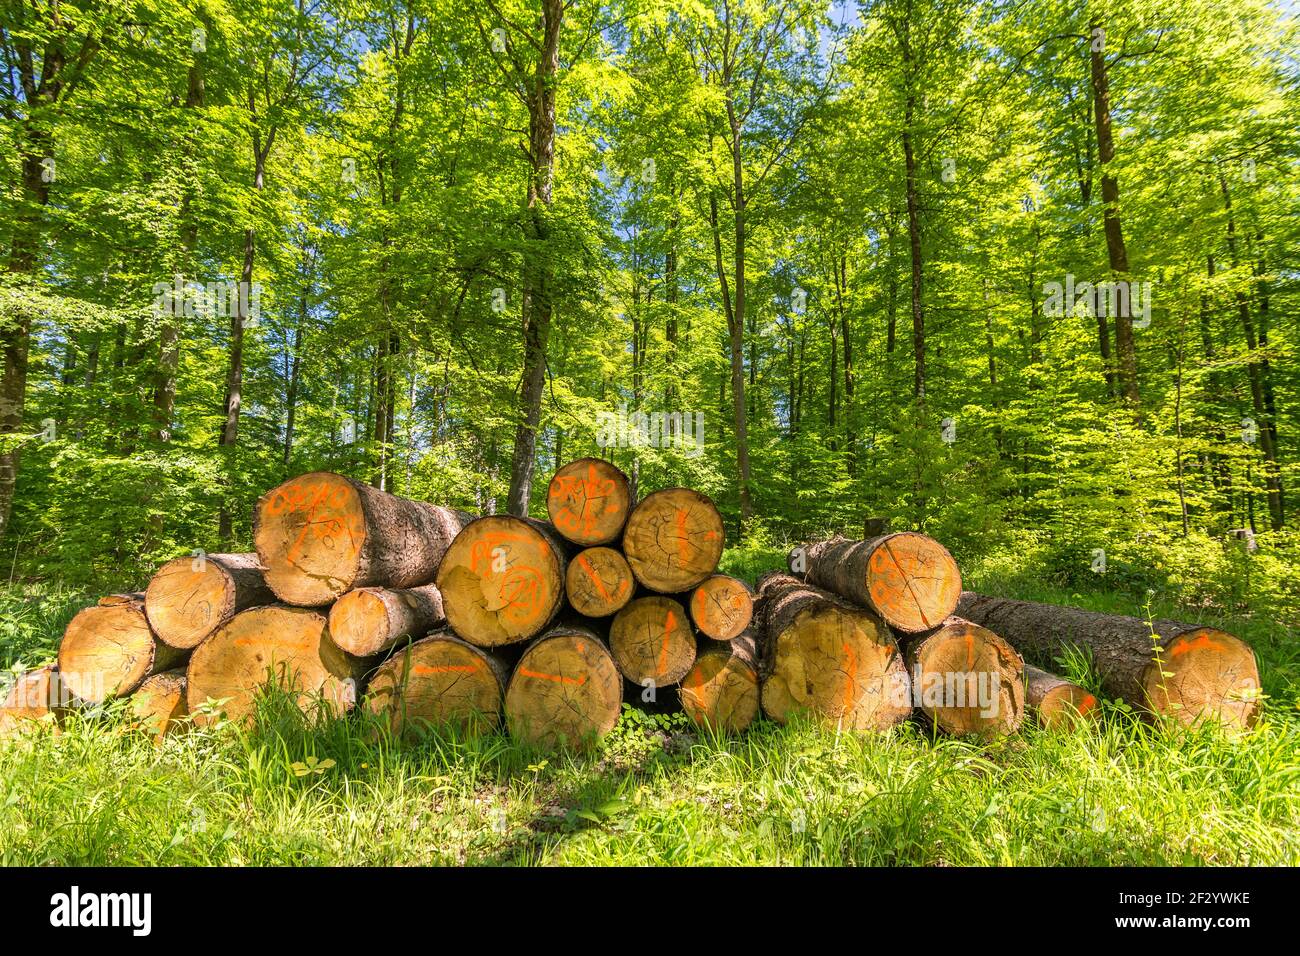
x=425, y=669
x=556, y=678
x=595, y=578
x=851, y=674
x=1087, y=704
x=681, y=535
x=1204, y=641
x=970, y=651
x=669, y=623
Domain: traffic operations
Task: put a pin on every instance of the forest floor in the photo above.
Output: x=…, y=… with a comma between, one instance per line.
x=1121, y=792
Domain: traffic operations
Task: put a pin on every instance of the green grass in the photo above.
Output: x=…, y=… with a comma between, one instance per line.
x=284, y=793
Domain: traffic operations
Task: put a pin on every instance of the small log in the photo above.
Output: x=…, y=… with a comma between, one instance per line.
x=721, y=691
x=275, y=645
x=722, y=607
x=823, y=655
x=967, y=680
x=907, y=578
x=108, y=650
x=673, y=540
x=599, y=582
x=438, y=680
x=320, y=535
x=564, y=691
x=189, y=598
x=159, y=707
x=652, y=642
x=36, y=698
x=502, y=580
x=369, y=621
x=1184, y=671
x=1057, y=702
x=588, y=501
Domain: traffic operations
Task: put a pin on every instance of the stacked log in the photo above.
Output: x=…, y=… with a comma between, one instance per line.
x=564, y=691
x=966, y=679
x=438, y=680
x=108, y=650
x=721, y=691
x=1055, y=701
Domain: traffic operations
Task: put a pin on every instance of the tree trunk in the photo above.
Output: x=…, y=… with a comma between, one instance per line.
x=565, y=691
x=652, y=642
x=108, y=650
x=1181, y=670
x=721, y=691
x=722, y=607
x=369, y=621
x=822, y=655
x=439, y=680
x=189, y=598
x=320, y=534
x=907, y=578
x=502, y=580
x=673, y=540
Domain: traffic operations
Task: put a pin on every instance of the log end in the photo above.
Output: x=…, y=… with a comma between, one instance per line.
x=358, y=622
x=588, y=501
x=187, y=600
x=913, y=582
x=310, y=533
x=439, y=680
x=1205, y=674
x=673, y=540
x=721, y=691
x=107, y=650
x=968, y=680
x=565, y=691
x=722, y=607
x=599, y=582
x=158, y=708
x=652, y=642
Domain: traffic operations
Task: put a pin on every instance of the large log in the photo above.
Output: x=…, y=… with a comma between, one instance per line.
x=823, y=655
x=907, y=578
x=368, y=621
x=673, y=540
x=108, y=650
x=1200, y=673
x=275, y=645
x=37, y=698
x=564, y=691
x=320, y=535
x=159, y=706
x=1057, y=702
x=722, y=607
x=588, y=501
x=652, y=642
x=599, y=582
x=435, y=681
x=966, y=679
x=189, y=598
x=721, y=691
x=502, y=580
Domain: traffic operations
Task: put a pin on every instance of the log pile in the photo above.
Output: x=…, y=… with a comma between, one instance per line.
x=414, y=615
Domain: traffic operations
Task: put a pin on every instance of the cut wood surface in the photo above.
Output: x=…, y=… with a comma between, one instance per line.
x=108, y=650
x=288, y=647
x=438, y=680
x=1055, y=701
x=673, y=540
x=502, y=580
x=1202, y=673
x=159, y=706
x=721, y=691
x=823, y=655
x=907, y=578
x=189, y=598
x=368, y=621
x=37, y=696
x=722, y=607
x=966, y=679
x=652, y=642
x=320, y=535
x=588, y=501
x=599, y=582
x=565, y=690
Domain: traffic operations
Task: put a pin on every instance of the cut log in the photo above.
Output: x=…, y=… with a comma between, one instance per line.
x=158, y=707
x=722, y=607
x=320, y=535
x=1202, y=673
x=276, y=645
x=967, y=680
x=673, y=540
x=907, y=578
x=438, y=680
x=822, y=655
x=36, y=698
x=565, y=690
x=652, y=642
x=502, y=580
x=368, y=621
x=1057, y=702
x=189, y=598
x=108, y=650
x=599, y=582
x=721, y=690
x=588, y=501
